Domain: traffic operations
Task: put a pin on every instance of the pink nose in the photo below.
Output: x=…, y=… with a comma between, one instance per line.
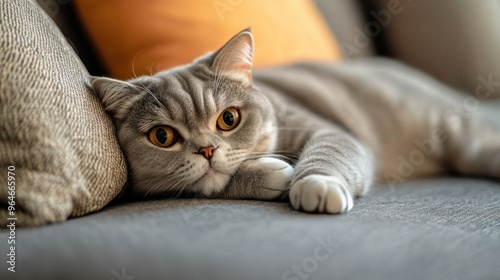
x=207, y=152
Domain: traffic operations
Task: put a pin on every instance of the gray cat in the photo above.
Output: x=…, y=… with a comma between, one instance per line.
x=319, y=133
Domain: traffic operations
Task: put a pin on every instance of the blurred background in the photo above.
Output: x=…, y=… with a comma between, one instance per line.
x=454, y=41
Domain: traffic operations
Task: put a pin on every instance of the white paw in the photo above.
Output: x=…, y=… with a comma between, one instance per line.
x=318, y=193
x=280, y=172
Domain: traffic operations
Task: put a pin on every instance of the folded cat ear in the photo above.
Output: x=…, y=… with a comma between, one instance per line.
x=116, y=96
x=235, y=57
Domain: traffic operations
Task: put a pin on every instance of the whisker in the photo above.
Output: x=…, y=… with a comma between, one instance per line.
x=142, y=85
x=218, y=76
x=293, y=128
x=133, y=62
x=178, y=188
x=154, y=188
x=281, y=154
x=273, y=189
x=152, y=65
x=277, y=152
x=165, y=182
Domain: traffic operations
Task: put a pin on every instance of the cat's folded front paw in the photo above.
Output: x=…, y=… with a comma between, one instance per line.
x=319, y=193
x=279, y=174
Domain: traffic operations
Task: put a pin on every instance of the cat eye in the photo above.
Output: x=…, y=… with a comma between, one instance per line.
x=163, y=136
x=229, y=119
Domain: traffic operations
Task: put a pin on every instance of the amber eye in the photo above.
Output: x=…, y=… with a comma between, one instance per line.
x=229, y=119
x=163, y=136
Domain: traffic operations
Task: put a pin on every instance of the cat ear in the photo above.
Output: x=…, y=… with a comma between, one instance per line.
x=116, y=96
x=235, y=57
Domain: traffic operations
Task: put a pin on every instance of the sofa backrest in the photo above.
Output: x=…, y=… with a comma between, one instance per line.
x=342, y=16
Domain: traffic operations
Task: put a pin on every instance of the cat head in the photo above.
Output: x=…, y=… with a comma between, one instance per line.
x=188, y=129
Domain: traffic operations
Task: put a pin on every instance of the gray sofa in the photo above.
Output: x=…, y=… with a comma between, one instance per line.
x=434, y=228
x=443, y=228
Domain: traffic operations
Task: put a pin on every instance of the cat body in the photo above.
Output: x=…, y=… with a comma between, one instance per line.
x=404, y=118
x=320, y=134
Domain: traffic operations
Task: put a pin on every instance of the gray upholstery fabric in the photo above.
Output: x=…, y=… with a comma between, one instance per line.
x=456, y=41
x=52, y=129
x=444, y=228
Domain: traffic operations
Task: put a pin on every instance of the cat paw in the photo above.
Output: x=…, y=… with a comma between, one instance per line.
x=278, y=177
x=319, y=193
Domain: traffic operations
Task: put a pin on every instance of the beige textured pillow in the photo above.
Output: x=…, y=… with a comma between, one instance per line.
x=52, y=129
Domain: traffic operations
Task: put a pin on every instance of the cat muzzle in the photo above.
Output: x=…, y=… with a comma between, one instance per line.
x=207, y=152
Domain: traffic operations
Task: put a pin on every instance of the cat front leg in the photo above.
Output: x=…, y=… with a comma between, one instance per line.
x=473, y=146
x=265, y=178
x=333, y=168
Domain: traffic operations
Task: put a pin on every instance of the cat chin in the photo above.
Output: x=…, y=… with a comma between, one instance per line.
x=212, y=182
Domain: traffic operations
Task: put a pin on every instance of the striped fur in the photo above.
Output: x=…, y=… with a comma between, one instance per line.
x=320, y=134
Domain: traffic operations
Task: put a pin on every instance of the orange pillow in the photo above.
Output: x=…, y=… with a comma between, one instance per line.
x=149, y=36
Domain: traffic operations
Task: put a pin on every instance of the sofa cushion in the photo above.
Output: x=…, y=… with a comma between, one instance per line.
x=131, y=36
x=444, y=228
x=53, y=131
